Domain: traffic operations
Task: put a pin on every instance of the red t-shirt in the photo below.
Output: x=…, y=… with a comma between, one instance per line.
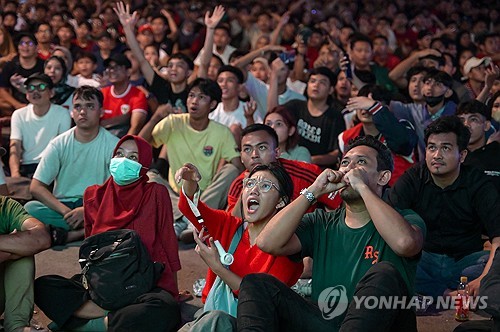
x=132, y=100
x=247, y=258
x=303, y=175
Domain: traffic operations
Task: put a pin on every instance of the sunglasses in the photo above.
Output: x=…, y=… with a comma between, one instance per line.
x=263, y=185
x=40, y=87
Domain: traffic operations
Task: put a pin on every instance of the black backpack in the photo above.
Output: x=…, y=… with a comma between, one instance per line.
x=116, y=268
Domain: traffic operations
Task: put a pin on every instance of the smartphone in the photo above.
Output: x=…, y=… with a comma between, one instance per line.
x=348, y=71
x=287, y=57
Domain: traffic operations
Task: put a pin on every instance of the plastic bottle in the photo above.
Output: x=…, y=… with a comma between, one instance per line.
x=462, y=301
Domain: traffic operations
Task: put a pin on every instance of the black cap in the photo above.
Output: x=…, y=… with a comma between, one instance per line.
x=41, y=77
x=120, y=60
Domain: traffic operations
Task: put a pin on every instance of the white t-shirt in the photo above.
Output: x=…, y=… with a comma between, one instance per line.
x=35, y=132
x=74, y=165
x=228, y=50
x=235, y=117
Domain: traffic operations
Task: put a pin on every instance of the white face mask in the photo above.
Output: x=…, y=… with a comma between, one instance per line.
x=124, y=171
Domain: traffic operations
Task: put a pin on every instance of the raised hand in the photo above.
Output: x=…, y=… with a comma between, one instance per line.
x=123, y=13
x=327, y=182
x=359, y=103
x=188, y=172
x=212, y=21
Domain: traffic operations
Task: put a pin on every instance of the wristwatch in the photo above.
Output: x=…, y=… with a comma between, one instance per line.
x=308, y=195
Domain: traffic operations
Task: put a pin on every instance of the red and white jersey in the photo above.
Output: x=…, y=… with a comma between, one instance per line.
x=132, y=100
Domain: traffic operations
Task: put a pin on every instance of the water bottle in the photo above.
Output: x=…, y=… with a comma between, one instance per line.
x=462, y=301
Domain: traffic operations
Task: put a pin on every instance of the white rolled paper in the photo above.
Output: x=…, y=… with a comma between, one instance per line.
x=225, y=258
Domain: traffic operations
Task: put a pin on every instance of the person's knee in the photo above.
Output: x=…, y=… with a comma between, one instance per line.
x=257, y=280
x=384, y=275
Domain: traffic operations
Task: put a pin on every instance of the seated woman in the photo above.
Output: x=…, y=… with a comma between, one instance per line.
x=55, y=68
x=285, y=124
x=125, y=200
x=266, y=191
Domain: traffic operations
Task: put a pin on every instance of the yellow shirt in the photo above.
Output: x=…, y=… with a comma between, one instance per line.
x=204, y=149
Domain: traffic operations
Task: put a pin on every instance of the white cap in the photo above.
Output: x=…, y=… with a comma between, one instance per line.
x=475, y=62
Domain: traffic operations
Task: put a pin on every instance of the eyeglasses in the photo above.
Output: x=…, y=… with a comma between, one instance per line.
x=114, y=68
x=264, y=185
x=86, y=107
x=40, y=87
x=27, y=43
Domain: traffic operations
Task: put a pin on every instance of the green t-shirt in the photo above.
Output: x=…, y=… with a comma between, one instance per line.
x=342, y=255
x=12, y=215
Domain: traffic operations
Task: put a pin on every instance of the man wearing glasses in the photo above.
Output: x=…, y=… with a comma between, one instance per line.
x=73, y=161
x=25, y=64
x=39, y=116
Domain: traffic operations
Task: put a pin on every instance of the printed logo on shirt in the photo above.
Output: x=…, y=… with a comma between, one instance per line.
x=208, y=150
x=370, y=253
x=309, y=132
x=125, y=108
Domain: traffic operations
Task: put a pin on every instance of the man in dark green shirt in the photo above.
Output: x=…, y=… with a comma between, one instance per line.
x=364, y=249
x=21, y=237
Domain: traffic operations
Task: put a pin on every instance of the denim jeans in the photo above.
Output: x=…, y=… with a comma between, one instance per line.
x=266, y=304
x=437, y=272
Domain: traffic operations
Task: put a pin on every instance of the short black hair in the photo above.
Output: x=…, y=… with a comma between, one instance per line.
x=183, y=57
x=86, y=55
x=415, y=70
x=359, y=37
x=261, y=127
x=449, y=124
x=232, y=69
x=87, y=92
x=378, y=92
x=474, y=106
x=284, y=180
x=325, y=72
x=208, y=87
x=384, y=155
x=439, y=76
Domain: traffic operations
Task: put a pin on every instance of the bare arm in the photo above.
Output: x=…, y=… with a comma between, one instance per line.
x=492, y=73
x=128, y=22
x=137, y=121
x=6, y=96
x=474, y=284
x=210, y=22
x=245, y=60
x=276, y=32
x=31, y=240
x=171, y=25
x=397, y=75
x=161, y=112
x=15, y=157
x=272, y=95
x=40, y=192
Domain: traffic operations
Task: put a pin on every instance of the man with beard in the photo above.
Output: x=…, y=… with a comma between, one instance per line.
x=458, y=203
x=366, y=248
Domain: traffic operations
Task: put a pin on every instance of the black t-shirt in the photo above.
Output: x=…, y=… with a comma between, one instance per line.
x=163, y=92
x=454, y=216
x=487, y=159
x=318, y=134
x=14, y=67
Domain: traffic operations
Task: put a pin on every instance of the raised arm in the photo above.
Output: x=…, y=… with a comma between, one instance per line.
x=272, y=95
x=492, y=73
x=245, y=60
x=128, y=22
x=397, y=75
x=171, y=25
x=278, y=237
x=276, y=32
x=210, y=22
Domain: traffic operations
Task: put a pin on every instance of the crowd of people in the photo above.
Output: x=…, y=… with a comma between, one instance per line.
x=355, y=144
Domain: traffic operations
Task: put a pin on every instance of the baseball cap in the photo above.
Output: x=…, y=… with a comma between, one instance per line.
x=145, y=27
x=41, y=77
x=120, y=59
x=475, y=62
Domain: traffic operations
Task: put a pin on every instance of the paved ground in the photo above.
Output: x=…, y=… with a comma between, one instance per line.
x=65, y=262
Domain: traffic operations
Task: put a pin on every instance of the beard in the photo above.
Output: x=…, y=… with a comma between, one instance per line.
x=350, y=195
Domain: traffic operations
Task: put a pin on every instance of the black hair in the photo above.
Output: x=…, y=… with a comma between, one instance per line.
x=284, y=180
x=225, y=27
x=261, y=127
x=449, y=124
x=378, y=92
x=439, y=76
x=160, y=16
x=381, y=37
x=208, y=87
x=184, y=58
x=87, y=92
x=415, y=71
x=384, y=155
x=86, y=55
x=359, y=37
x=474, y=106
x=325, y=72
x=87, y=24
x=232, y=69
x=63, y=65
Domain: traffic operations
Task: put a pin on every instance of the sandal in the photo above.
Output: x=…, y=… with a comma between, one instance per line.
x=58, y=236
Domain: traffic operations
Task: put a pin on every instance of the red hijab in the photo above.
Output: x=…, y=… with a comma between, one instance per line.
x=112, y=206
